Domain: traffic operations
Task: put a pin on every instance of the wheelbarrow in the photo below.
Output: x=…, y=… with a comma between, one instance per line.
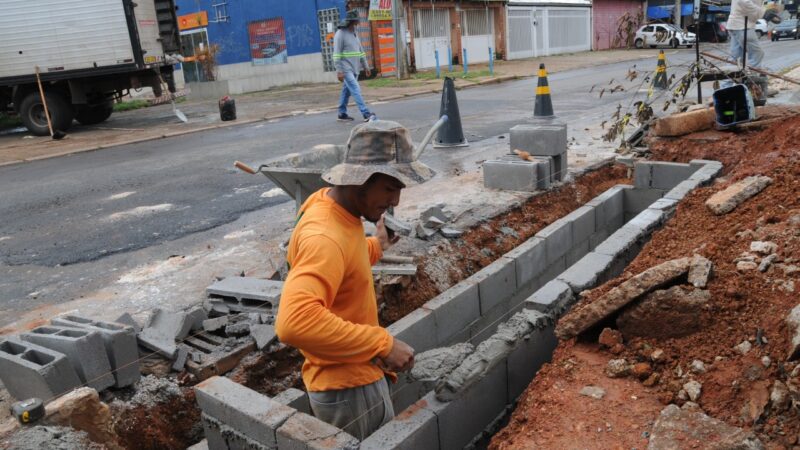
x=300, y=174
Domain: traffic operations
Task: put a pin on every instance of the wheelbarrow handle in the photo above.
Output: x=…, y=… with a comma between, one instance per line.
x=244, y=167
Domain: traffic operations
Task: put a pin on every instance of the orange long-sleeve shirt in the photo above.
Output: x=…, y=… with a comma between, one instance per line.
x=328, y=308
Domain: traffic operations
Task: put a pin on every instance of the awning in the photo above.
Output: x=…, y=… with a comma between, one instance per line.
x=665, y=11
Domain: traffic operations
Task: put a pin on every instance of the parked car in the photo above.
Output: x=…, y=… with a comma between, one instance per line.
x=710, y=31
x=761, y=27
x=785, y=29
x=657, y=34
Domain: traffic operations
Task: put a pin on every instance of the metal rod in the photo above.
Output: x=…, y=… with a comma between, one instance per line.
x=754, y=69
x=697, y=64
x=744, y=47
x=427, y=138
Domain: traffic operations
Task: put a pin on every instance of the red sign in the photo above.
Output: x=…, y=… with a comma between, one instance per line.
x=268, y=41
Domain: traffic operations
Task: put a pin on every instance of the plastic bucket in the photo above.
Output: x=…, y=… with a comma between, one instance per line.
x=733, y=105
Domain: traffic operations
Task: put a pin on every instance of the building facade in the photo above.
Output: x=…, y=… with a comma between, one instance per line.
x=611, y=19
x=548, y=27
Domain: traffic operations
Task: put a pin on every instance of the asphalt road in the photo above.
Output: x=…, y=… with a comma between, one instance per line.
x=87, y=206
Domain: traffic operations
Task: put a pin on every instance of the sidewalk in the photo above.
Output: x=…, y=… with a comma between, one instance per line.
x=159, y=121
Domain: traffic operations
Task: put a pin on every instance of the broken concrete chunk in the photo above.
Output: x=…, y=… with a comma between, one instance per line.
x=438, y=362
x=424, y=233
x=677, y=306
x=699, y=271
x=728, y=199
x=263, y=334
x=216, y=323
x=579, y=320
x=763, y=247
x=397, y=225
x=194, y=319
x=434, y=223
x=434, y=211
x=766, y=262
x=676, y=427
x=450, y=232
x=793, y=322
x=127, y=319
x=593, y=391
x=180, y=359
x=237, y=329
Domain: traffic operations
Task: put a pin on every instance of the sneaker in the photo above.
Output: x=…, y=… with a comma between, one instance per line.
x=370, y=116
x=345, y=118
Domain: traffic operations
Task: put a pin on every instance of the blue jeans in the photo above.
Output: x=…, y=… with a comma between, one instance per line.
x=351, y=87
x=754, y=52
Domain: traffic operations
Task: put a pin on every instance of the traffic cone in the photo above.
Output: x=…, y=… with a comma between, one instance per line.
x=450, y=134
x=660, y=80
x=543, y=105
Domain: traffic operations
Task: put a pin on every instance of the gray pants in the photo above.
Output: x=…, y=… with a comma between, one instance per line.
x=359, y=410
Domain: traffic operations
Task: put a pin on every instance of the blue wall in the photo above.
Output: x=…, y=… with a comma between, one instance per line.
x=299, y=21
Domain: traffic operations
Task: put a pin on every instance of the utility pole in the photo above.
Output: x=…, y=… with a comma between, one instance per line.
x=399, y=39
x=676, y=15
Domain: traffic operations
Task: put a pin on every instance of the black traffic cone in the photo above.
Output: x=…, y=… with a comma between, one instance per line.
x=543, y=106
x=450, y=134
x=660, y=80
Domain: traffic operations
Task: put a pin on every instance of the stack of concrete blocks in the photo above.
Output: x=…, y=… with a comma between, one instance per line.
x=514, y=174
x=235, y=417
x=244, y=294
x=29, y=370
x=544, y=140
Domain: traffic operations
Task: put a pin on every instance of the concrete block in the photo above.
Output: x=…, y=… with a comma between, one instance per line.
x=480, y=330
x=202, y=445
x=621, y=242
x=583, y=223
x=496, y=282
x=212, y=430
x=681, y=190
x=597, y=238
x=530, y=259
x=248, y=291
x=250, y=413
x=263, y=334
x=637, y=200
x=405, y=393
x=608, y=206
x=415, y=428
x=84, y=349
x=518, y=175
x=454, y=309
x=642, y=175
x=180, y=359
x=539, y=140
x=417, y=329
x=558, y=237
x=647, y=220
x=302, y=431
x=706, y=174
x=660, y=174
x=667, y=205
x=545, y=172
x=223, y=437
x=700, y=163
x=28, y=370
x=528, y=357
x=163, y=329
x=560, y=166
x=552, y=298
x=120, y=344
x=553, y=270
x=127, y=319
x=294, y=398
x=578, y=251
x=587, y=273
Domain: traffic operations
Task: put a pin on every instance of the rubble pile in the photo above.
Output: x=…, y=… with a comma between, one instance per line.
x=665, y=356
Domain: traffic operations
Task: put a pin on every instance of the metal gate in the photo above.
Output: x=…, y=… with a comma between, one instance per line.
x=520, y=33
x=327, y=19
x=431, y=32
x=477, y=34
x=547, y=31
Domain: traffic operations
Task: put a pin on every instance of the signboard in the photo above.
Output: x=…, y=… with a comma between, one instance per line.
x=380, y=9
x=268, y=41
x=193, y=20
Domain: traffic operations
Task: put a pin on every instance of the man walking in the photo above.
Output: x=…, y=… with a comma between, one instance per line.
x=349, y=58
x=328, y=308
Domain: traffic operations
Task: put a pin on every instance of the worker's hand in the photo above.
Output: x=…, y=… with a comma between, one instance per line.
x=340, y=76
x=367, y=72
x=400, y=358
x=386, y=238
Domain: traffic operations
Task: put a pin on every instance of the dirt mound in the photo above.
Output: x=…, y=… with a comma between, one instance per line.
x=746, y=305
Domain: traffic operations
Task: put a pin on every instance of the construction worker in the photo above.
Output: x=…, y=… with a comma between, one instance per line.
x=752, y=10
x=328, y=308
x=349, y=58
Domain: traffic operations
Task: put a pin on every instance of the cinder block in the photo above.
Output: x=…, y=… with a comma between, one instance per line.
x=585, y=274
x=560, y=166
x=28, y=370
x=609, y=206
x=681, y=190
x=294, y=398
x=530, y=259
x=529, y=356
x=667, y=205
x=84, y=349
x=415, y=428
x=248, y=412
x=455, y=309
x=120, y=344
x=163, y=329
x=539, y=140
x=578, y=251
x=700, y=163
x=487, y=325
x=519, y=175
x=222, y=437
x=553, y=270
x=202, y=445
x=552, y=298
x=647, y=220
x=405, y=393
x=597, y=238
x=706, y=174
x=212, y=429
x=621, y=241
x=496, y=282
x=637, y=200
x=583, y=223
x=417, y=329
x=545, y=172
x=558, y=237
x=302, y=431
x=248, y=290
x=667, y=175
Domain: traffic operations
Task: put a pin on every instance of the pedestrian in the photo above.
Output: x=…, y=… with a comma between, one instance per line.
x=349, y=58
x=752, y=10
x=328, y=308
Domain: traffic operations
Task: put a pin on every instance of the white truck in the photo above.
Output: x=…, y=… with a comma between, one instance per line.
x=88, y=53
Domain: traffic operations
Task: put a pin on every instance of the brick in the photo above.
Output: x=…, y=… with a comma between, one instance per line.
x=302, y=431
x=248, y=291
x=609, y=206
x=637, y=200
x=528, y=357
x=539, y=140
x=583, y=223
x=585, y=274
x=417, y=329
x=517, y=175
x=120, y=344
x=530, y=259
x=84, y=349
x=455, y=309
x=553, y=297
x=558, y=237
x=294, y=398
x=254, y=415
x=415, y=428
x=29, y=370
x=496, y=282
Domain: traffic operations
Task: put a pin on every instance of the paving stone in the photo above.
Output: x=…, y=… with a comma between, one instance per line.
x=455, y=309
x=84, y=349
x=553, y=297
x=248, y=289
x=29, y=370
x=120, y=345
x=530, y=259
x=294, y=398
x=302, y=431
x=415, y=428
x=591, y=270
x=263, y=334
x=254, y=415
x=558, y=237
x=496, y=282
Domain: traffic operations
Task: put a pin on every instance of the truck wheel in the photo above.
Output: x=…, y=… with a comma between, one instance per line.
x=90, y=115
x=32, y=113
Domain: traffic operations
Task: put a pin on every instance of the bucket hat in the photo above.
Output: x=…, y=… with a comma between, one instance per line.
x=350, y=16
x=378, y=146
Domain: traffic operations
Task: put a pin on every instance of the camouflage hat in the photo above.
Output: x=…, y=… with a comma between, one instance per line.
x=378, y=146
x=350, y=16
